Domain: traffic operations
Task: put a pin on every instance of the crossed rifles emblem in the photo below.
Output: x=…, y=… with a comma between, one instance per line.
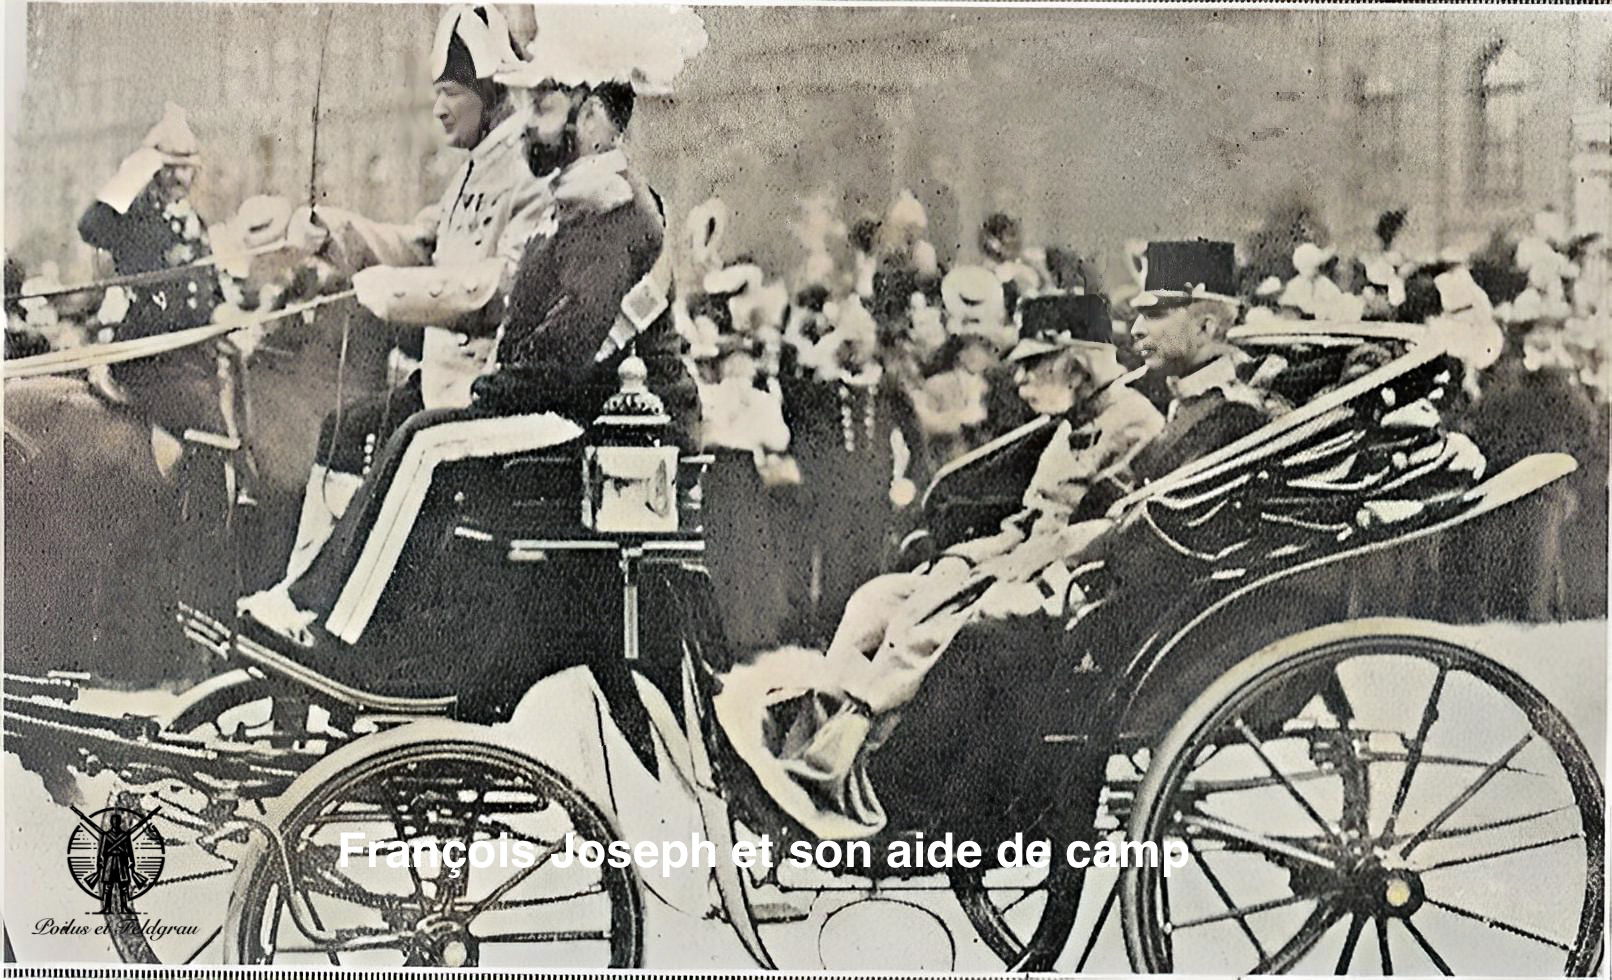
x=115, y=875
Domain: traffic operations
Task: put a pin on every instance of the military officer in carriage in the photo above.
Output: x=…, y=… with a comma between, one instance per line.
x=588, y=293
x=444, y=273
x=810, y=752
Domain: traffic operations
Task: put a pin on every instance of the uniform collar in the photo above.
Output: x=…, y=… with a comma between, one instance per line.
x=1218, y=374
x=596, y=183
x=1085, y=411
x=511, y=129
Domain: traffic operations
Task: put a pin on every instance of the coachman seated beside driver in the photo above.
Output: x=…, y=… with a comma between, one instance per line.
x=807, y=724
x=584, y=297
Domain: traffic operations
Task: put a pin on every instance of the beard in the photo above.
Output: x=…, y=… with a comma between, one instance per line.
x=544, y=159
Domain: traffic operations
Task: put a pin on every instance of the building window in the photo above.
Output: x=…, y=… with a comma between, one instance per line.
x=1377, y=104
x=1503, y=78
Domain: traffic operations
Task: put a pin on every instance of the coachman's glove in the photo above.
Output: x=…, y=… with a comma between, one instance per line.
x=305, y=232
x=501, y=391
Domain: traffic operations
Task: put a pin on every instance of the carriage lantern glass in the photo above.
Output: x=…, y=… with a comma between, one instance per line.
x=629, y=473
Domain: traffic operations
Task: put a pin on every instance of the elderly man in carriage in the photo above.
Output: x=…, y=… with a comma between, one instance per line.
x=1090, y=518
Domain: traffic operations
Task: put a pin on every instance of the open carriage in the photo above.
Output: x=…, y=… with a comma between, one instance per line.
x=1226, y=679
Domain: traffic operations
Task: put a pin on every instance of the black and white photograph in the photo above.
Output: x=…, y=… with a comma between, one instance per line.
x=824, y=488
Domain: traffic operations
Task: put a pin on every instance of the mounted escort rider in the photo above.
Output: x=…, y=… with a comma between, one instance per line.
x=143, y=218
x=445, y=271
x=587, y=294
x=894, y=631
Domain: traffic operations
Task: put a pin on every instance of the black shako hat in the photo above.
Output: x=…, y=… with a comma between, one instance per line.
x=1173, y=272
x=1052, y=323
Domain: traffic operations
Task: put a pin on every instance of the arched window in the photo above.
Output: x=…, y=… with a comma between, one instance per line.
x=1502, y=90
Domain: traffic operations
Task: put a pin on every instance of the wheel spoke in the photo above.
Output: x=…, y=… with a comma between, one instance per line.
x=1429, y=715
x=1466, y=794
x=1494, y=923
x=1454, y=832
x=340, y=886
x=470, y=838
x=1315, y=926
x=1347, y=956
x=1454, y=761
x=198, y=876
x=1292, y=790
x=1211, y=787
x=1231, y=831
x=1225, y=898
x=582, y=935
x=509, y=883
x=1503, y=852
x=1097, y=927
x=354, y=944
x=1019, y=901
x=205, y=943
x=524, y=903
x=1246, y=910
x=313, y=913
x=397, y=827
x=1427, y=948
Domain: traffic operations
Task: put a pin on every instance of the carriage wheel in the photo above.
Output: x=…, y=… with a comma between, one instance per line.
x=1024, y=915
x=1370, y=795
x=421, y=790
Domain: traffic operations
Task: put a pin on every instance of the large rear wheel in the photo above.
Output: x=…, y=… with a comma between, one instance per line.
x=1370, y=796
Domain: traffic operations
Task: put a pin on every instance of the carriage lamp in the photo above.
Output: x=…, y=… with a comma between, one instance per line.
x=629, y=471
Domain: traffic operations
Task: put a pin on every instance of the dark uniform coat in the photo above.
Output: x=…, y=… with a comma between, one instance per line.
x=178, y=390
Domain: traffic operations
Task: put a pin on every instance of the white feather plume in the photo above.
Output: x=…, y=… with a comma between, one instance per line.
x=575, y=45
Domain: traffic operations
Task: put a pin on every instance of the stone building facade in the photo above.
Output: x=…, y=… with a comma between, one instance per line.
x=1094, y=126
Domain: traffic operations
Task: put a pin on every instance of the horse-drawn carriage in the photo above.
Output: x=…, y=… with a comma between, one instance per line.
x=1228, y=679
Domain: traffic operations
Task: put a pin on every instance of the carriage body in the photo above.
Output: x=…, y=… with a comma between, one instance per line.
x=1311, y=521
x=1259, y=542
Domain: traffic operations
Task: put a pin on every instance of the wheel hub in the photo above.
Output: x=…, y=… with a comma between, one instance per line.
x=1399, y=893
x=1380, y=892
x=446, y=941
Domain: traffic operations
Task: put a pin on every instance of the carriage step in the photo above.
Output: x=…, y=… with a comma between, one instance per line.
x=778, y=913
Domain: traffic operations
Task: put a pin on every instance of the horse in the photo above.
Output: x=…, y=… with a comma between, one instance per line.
x=101, y=544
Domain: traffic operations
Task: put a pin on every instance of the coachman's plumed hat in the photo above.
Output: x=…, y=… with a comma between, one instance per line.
x=1057, y=322
x=1173, y=272
x=472, y=44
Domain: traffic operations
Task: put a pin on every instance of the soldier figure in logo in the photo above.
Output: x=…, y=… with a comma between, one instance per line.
x=115, y=875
